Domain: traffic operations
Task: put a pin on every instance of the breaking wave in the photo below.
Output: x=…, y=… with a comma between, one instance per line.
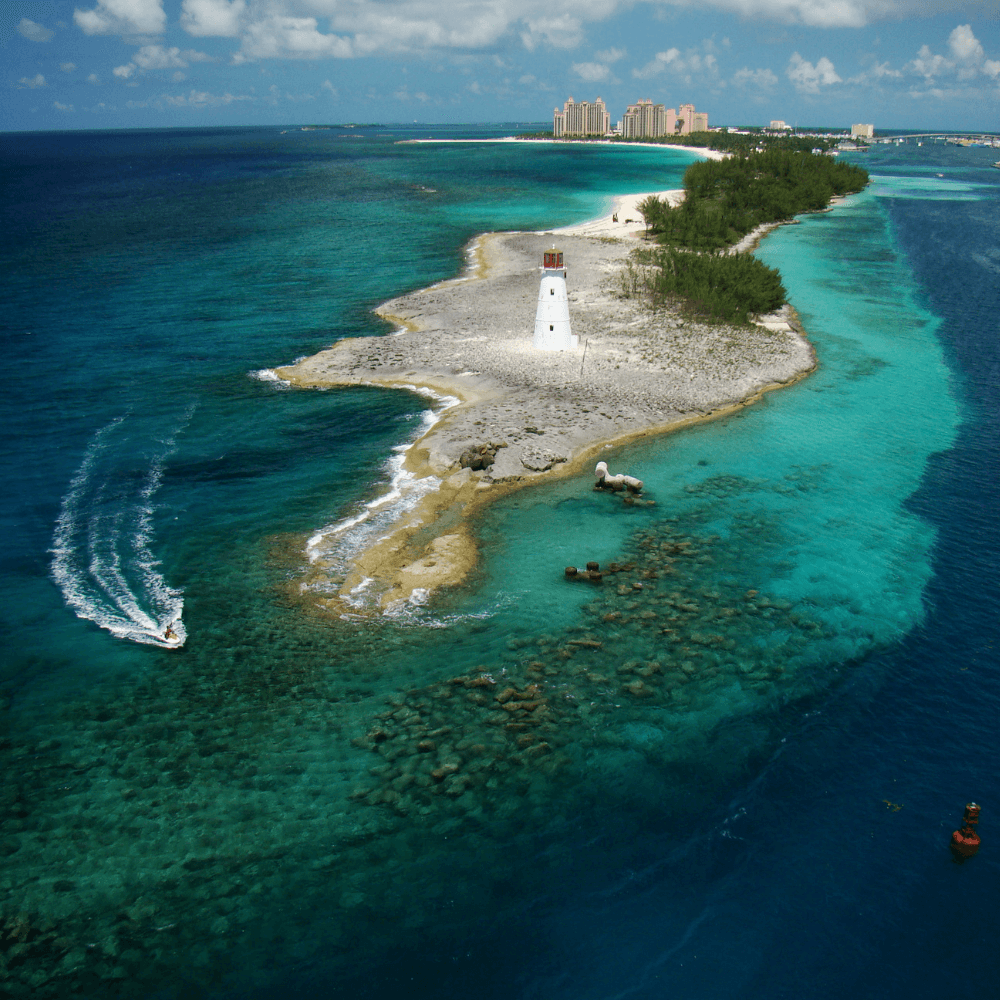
x=335, y=546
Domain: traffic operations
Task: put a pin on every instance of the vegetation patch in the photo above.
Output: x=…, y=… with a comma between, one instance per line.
x=724, y=201
x=729, y=288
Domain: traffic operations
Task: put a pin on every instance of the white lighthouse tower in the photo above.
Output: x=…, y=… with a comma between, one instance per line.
x=552, y=332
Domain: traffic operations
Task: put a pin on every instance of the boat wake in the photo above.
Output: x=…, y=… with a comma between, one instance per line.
x=102, y=559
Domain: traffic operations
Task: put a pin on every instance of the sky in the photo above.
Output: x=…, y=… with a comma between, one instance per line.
x=904, y=64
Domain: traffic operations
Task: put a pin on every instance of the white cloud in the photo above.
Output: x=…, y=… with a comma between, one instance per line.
x=34, y=31
x=657, y=65
x=964, y=45
x=823, y=13
x=198, y=99
x=67, y=67
x=315, y=29
x=158, y=57
x=368, y=26
x=808, y=78
x=561, y=32
x=754, y=78
x=62, y=107
x=93, y=78
x=32, y=83
x=967, y=50
x=220, y=18
x=928, y=65
x=880, y=71
x=122, y=17
x=814, y=13
x=331, y=88
x=592, y=72
x=967, y=61
x=292, y=38
x=610, y=55
x=421, y=25
x=684, y=66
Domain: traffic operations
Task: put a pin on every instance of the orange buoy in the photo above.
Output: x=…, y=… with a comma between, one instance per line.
x=965, y=842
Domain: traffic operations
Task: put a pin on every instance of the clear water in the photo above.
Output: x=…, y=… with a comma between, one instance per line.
x=689, y=799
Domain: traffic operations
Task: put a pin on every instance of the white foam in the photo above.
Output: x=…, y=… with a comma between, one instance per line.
x=335, y=546
x=468, y=272
x=102, y=558
x=413, y=612
x=269, y=375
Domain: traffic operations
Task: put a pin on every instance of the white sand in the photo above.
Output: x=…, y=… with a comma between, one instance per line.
x=626, y=208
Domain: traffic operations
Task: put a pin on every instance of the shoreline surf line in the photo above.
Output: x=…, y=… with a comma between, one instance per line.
x=706, y=151
x=448, y=558
x=455, y=340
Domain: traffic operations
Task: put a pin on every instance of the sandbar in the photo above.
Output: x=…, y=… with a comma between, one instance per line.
x=637, y=371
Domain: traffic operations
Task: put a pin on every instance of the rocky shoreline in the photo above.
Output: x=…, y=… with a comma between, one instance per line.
x=523, y=414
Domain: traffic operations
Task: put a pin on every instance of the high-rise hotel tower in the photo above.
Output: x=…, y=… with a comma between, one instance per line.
x=581, y=118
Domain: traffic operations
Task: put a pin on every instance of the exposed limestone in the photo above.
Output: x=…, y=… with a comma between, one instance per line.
x=637, y=371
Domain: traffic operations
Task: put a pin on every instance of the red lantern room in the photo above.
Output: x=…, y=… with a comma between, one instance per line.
x=553, y=259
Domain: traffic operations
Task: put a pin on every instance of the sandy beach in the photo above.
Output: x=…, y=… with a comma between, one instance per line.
x=636, y=372
x=705, y=151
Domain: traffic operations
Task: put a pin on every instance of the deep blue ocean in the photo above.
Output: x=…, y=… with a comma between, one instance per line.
x=738, y=780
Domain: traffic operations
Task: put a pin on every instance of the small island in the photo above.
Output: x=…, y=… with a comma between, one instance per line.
x=525, y=413
x=673, y=322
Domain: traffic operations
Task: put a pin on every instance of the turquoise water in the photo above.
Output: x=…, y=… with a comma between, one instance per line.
x=297, y=804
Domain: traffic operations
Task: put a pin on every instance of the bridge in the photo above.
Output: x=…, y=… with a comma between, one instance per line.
x=972, y=136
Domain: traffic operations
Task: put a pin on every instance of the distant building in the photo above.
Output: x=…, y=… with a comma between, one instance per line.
x=583, y=118
x=778, y=126
x=644, y=119
x=862, y=131
x=689, y=120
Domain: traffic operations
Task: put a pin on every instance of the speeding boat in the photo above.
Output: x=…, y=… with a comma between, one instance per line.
x=171, y=639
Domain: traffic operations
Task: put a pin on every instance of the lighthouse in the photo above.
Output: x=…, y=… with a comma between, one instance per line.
x=552, y=332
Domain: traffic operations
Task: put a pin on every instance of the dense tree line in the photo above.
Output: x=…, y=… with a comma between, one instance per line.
x=725, y=200
x=743, y=144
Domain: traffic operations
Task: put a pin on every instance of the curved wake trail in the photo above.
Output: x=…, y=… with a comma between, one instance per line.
x=102, y=558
